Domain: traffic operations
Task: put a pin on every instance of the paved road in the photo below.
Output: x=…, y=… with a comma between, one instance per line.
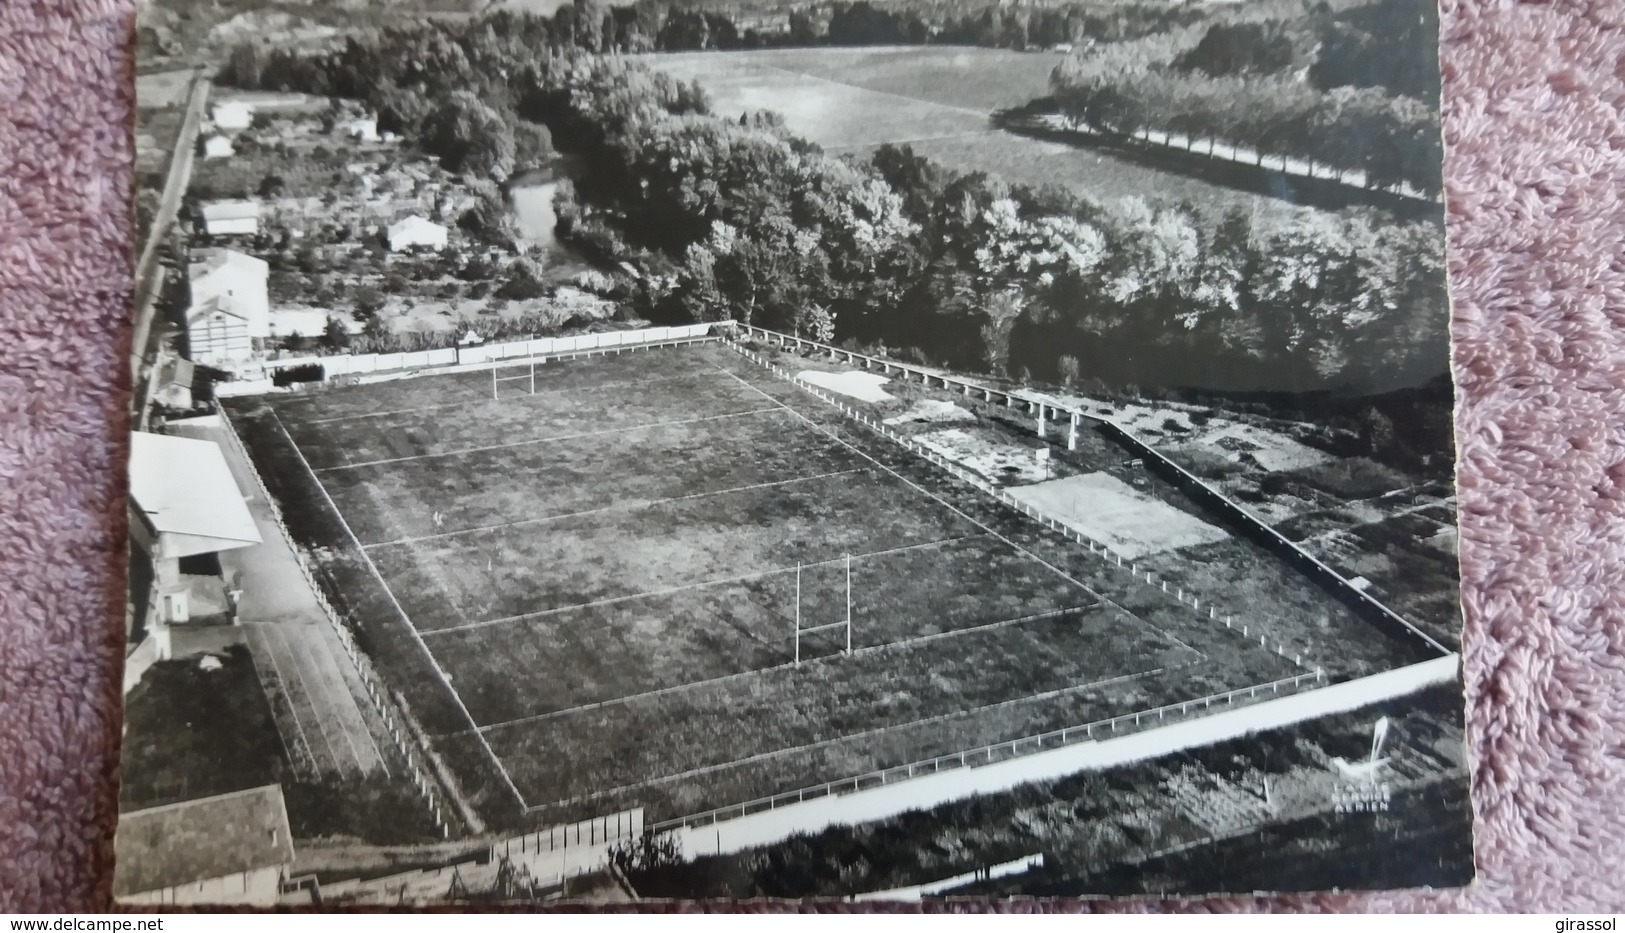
x=148, y=272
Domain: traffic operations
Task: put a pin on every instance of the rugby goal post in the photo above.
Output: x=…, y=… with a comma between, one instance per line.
x=528, y=373
x=843, y=623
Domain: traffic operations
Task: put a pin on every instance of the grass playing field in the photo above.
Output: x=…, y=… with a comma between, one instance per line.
x=587, y=594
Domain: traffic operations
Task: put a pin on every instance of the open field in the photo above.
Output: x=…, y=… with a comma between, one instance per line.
x=959, y=77
x=552, y=578
x=939, y=100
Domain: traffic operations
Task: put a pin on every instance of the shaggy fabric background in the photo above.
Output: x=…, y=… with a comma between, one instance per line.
x=1537, y=153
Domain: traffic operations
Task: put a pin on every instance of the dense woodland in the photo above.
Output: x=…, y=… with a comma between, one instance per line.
x=735, y=218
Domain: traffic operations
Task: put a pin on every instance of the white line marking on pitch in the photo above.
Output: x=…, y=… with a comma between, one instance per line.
x=504, y=620
x=613, y=507
x=538, y=440
x=951, y=507
x=839, y=656
x=433, y=661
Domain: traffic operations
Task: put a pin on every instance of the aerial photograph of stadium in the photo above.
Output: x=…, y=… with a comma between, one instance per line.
x=875, y=451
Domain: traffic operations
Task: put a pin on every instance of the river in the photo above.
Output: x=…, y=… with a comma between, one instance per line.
x=531, y=197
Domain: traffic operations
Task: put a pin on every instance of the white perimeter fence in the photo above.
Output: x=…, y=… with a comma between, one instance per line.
x=990, y=754
x=772, y=819
x=474, y=356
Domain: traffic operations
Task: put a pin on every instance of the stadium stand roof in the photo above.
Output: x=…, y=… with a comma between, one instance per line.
x=187, y=493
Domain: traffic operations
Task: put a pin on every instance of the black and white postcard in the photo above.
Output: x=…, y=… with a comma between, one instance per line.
x=876, y=450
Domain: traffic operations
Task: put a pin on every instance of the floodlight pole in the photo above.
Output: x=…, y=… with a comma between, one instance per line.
x=493, y=382
x=533, y=375
x=798, y=612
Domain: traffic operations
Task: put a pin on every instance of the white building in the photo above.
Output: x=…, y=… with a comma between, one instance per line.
x=218, y=147
x=231, y=849
x=231, y=218
x=302, y=322
x=230, y=307
x=416, y=231
x=232, y=115
x=364, y=129
x=183, y=502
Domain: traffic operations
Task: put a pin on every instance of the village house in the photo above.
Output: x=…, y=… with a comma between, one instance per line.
x=364, y=129
x=229, y=849
x=218, y=147
x=416, y=231
x=230, y=306
x=231, y=218
x=232, y=115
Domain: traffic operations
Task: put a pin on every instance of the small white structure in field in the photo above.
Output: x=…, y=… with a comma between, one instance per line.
x=218, y=147
x=229, y=218
x=232, y=849
x=416, y=231
x=233, y=115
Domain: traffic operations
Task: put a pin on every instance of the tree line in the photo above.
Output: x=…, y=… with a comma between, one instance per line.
x=1337, y=91
x=736, y=218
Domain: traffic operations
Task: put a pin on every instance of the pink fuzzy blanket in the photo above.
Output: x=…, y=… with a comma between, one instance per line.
x=1536, y=169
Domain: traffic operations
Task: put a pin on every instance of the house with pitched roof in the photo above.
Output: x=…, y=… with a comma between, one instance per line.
x=218, y=147
x=416, y=231
x=230, y=218
x=230, y=306
x=231, y=849
x=232, y=115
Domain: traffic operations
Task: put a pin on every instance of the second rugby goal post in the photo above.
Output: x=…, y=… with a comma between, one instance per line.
x=808, y=629
x=527, y=372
